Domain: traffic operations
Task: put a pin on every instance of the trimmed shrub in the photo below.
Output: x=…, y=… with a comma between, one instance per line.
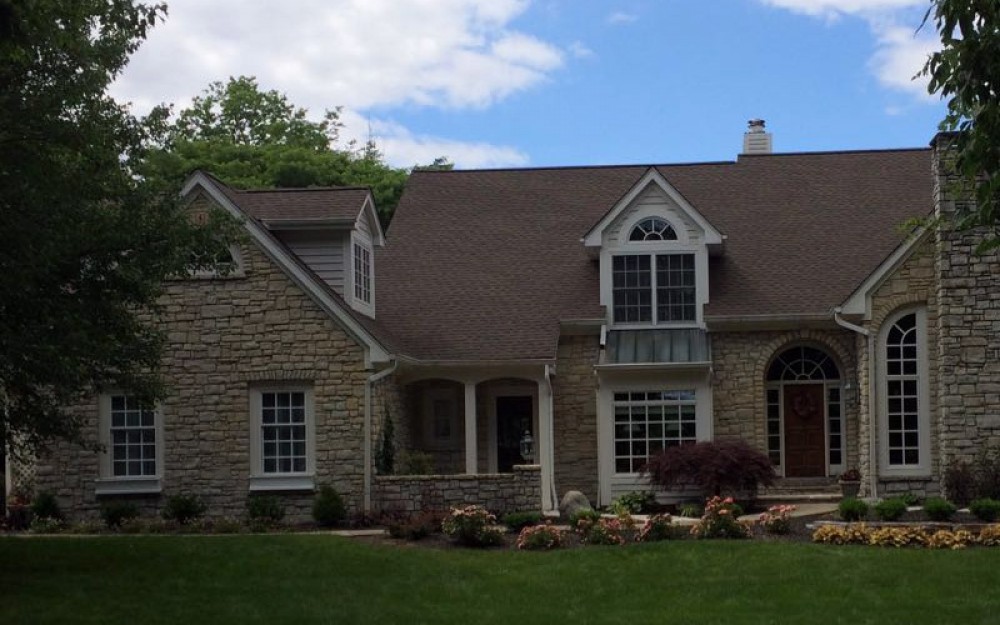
x=45, y=506
x=183, y=509
x=600, y=532
x=517, y=521
x=721, y=520
x=635, y=502
x=890, y=509
x=539, y=538
x=472, y=526
x=986, y=510
x=116, y=512
x=579, y=516
x=777, y=519
x=264, y=511
x=938, y=509
x=658, y=527
x=730, y=467
x=328, y=507
x=959, y=482
x=852, y=509
x=910, y=499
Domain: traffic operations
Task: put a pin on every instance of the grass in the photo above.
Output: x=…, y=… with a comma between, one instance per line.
x=325, y=579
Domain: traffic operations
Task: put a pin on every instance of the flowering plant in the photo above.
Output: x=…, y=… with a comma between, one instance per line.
x=539, y=538
x=473, y=526
x=721, y=520
x=777, y=519
x=600, y=532
x=850, y=475
x=657, y=527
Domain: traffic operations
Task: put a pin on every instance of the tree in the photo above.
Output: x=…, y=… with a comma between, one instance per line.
x=253, y=138
x=967, y=72
x=85, y=245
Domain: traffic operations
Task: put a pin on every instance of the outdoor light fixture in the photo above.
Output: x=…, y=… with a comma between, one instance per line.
x=528, y=447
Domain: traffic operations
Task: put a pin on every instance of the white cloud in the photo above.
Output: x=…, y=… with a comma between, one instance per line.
x=360, y=54
x=620, y=17
x=900, y=50
x=580, y=50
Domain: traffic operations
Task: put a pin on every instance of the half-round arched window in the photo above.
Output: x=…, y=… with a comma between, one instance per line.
x=802, y=363
x=653, y=229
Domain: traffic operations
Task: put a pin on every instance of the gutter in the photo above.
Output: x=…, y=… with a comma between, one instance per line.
x=367, y=431
x=870, y=347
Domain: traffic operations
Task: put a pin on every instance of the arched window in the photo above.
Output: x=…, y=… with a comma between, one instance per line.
x=904, y=427
x=653, y=229
x=805, y=376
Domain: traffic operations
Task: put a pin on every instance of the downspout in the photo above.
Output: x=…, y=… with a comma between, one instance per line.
x=552, y=446
x=870, y=348
x=367, y=431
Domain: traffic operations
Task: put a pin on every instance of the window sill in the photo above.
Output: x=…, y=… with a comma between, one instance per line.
x=128, y=486
x=263, y=483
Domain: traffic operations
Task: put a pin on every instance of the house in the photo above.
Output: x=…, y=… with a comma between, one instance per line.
x=533, y=331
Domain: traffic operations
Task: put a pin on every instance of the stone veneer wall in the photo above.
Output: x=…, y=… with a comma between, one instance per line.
x=574, y=390
x=913, y=283
x=968, y=359
x=224, y=337
x=739, y=365
x=498, y=492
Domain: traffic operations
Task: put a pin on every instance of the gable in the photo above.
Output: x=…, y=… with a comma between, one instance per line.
x=652, y=202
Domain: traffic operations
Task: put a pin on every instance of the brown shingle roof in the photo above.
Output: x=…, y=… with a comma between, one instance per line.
x=482, y=265
x=334, y=203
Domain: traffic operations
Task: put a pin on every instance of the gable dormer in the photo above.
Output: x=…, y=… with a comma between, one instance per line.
x=654, y=248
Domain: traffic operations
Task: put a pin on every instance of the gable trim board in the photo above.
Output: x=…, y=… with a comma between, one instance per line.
x=375, y=352
x=859, y=302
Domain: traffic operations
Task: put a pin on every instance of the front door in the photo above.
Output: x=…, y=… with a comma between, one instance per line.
x=805, y=449
x=513, y=420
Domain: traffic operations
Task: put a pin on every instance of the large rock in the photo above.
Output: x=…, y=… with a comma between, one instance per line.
x=573, y=502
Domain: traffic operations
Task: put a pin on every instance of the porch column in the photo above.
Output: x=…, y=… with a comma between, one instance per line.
x=471, y=462
x=543, y=443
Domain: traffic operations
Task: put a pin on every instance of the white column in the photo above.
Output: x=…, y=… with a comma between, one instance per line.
x=543, y=443
x=471, y=462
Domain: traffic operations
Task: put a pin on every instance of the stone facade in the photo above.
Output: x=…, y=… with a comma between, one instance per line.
x=500, y=493
x=225, y=337
x=574, y=390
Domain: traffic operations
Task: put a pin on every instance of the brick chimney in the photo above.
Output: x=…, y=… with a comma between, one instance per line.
x=756, y=140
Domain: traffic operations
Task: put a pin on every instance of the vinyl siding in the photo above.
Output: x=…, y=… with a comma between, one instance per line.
x=323, y=252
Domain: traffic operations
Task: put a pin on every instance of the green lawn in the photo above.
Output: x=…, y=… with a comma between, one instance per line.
x=324, y=579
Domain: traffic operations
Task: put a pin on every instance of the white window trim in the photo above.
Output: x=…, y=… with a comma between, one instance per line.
x=109, y=484
x=260, y=481
x=923, y=469
x=367, y=308
x=452, y=442
x=614, y=403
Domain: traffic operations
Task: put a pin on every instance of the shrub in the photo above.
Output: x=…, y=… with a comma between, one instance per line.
x=585, y=515
x=986, y=510
x=416, y=463
x=183, y=508
x=986, y=469
x=691, y=510
x=45, y=506
x=328, y=507
x=890, y=509
x=948, y=539
x=656, y=528
x=224, y=525
x=715, y=467
x=989, y=536
x=264, y=512
x=938, y=509
x=600, y=532
x=854, y=534
x=721, y=520
x=116, y=512
x=910, y=499
x=46, y=525
x=472, y=526
x=777, y=519
x=414, y=526
x=906, y=536
x=852, y=509
x=959, y=482
x=539, y=538
x=633, y=503
x=517, y=521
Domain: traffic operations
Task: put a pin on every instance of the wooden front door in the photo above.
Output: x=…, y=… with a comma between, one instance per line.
x=805, y=448
x=513, y=420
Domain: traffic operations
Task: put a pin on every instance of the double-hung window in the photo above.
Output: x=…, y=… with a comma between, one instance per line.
x=131, y=434
x=283, y=445
x=362, y=273
x=654, y=288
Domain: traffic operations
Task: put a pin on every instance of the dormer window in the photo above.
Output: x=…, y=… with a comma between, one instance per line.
x=653, y=229
x=362, y=273
x=642, y=295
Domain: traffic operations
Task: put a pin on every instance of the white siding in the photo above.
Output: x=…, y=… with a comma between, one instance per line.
x=323, y=252
x=653, y=201
x=363, y=226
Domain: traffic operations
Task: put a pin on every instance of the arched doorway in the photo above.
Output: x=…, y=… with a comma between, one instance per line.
x=804, y=413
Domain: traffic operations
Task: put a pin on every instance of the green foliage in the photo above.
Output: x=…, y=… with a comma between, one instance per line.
x=635, y=502
x=45, y=506
x=264, y=511
x=690, y=510
x=583, y=515
x=385, y=455
x=959, y=482
x=46, y=525
x=965, y=72
x=986, y=510
x=517, y=521
x=328, y=507
x=413, y=462
x=852, y=509
x=115, y=512
x=721, y=520
x=890, y=509
x=659, y=527
x=85, y=244
x=183, y=508
x=910, y=499
x=601, y=532
x=414, y=526
x=472, y=526
x=251, y=138
x=539, y=538
x=938, y=509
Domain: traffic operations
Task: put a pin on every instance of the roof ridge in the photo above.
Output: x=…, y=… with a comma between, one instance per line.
x=835, y=152
x=301, y=189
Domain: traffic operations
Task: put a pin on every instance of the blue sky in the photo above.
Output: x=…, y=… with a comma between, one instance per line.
x=556, y=82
